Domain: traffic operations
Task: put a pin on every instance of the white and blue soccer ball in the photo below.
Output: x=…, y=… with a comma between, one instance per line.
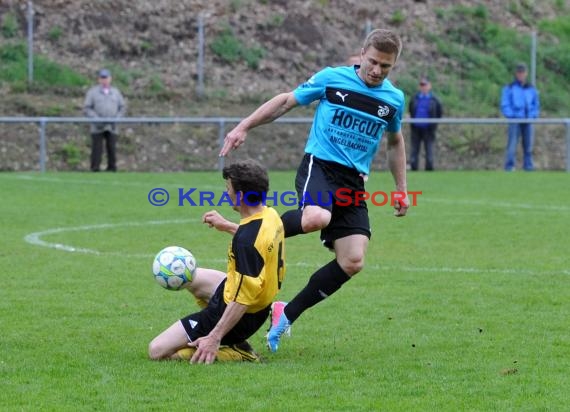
x=173, y=267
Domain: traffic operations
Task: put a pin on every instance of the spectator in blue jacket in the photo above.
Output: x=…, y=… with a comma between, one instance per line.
x=519, y=100
x=424, y=105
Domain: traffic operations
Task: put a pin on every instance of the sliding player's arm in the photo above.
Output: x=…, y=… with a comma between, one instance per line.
x=207, y=347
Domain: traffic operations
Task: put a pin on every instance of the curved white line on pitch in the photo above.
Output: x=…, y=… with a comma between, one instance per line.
x=36, y=237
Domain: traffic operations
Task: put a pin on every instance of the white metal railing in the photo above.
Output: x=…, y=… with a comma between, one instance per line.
x=42, y=122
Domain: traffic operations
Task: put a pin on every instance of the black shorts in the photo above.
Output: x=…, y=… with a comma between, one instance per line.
x=201, y=323
x=332, y=186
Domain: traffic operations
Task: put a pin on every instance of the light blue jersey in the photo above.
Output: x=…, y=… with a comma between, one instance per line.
x=351, y=117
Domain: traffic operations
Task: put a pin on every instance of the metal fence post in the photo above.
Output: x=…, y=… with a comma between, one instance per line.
x=533, y=58
x=221, y=135
x=200, y=87
x=30, y=42
x=568, y=146
x=43, y=144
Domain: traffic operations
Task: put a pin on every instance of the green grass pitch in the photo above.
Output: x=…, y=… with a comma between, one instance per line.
x=462, y=306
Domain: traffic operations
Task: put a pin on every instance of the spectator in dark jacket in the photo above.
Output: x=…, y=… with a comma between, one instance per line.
x=424, y=105
x=519, y=100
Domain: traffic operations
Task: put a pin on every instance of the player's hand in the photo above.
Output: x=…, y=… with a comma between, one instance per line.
x=206, y=350
x=214, y=219
x=233, y=140
x=401, y=205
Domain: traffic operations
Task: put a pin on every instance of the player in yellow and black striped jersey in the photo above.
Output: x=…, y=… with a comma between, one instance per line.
x=255, y=261
x=239, y=302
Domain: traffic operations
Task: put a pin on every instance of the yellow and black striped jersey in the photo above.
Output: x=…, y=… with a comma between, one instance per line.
x=256, y=261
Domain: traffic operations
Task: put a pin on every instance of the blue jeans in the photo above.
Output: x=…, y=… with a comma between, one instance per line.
x=515, y=131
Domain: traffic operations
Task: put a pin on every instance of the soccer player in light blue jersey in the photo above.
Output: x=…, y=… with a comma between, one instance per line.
x=357, y=104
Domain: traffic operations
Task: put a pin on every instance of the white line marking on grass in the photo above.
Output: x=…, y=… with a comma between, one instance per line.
x=185, y=186
x=507, y=271
x=470, y=202
x=444, y=269
x=494, y=203
x=36, y=237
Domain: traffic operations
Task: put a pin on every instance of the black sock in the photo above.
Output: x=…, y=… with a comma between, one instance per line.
x=292, y=222
x=323, y=283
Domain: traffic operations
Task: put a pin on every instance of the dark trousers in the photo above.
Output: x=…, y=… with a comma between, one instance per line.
x=97, y=149
x=427, y=136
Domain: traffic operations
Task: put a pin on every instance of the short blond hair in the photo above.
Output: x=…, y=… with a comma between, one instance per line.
x=385, y=41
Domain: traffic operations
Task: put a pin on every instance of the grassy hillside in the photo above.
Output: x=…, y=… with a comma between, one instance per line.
x=474, y=54
x=257, y=48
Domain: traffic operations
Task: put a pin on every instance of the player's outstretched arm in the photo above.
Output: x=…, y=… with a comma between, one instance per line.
x=266, y=113
x=207, y=347
x=397, y=163
x=214, y=219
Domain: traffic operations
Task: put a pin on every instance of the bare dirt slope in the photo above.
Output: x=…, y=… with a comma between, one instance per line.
x=160, y=37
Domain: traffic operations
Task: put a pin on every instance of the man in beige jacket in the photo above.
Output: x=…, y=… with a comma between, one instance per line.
x=107, y=102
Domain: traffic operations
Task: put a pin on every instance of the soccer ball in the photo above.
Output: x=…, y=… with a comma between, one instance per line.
x=174, y=266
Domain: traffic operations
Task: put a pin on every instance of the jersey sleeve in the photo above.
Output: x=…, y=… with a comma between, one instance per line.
x=313, y=89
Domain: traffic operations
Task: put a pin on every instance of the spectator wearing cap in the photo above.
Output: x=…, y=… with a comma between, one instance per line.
x=424, y=105
x=520, y=100
x=105, y=101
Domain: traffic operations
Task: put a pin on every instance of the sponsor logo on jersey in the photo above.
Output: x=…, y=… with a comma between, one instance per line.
x=357, y=124
x=342, y=96
x=383, y=111
x=361, y=102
